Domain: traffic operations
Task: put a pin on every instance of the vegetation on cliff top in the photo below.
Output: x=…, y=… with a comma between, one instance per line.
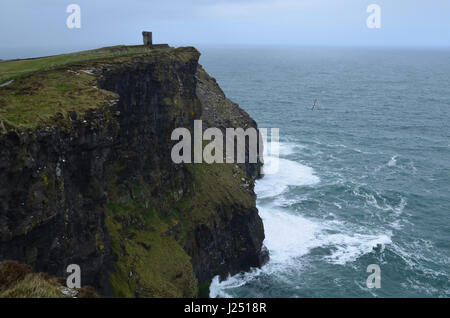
x=34, y=101
x=44, y=90
x=14, y=69
x=149, y=239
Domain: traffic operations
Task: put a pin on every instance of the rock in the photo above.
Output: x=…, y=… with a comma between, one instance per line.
x=118, y=188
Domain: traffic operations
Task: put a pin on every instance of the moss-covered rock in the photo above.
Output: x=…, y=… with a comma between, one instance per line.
x=91, y=182
x=148, y=262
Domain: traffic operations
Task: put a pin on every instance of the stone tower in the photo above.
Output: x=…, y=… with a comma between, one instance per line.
x=147, y=37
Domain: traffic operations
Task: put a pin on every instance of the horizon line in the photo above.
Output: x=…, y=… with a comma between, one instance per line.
x=73, y=49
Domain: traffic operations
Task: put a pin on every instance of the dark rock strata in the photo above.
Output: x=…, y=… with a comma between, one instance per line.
x=102, y=192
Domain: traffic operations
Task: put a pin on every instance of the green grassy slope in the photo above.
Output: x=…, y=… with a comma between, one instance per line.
x=44, y=87
x=14, y=69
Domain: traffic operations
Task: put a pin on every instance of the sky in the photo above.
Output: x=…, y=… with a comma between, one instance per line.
x=38, y=27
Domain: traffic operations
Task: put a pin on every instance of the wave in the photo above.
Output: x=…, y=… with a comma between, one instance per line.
x=218, y=288
x=289, y=148
x=289, y=237
x=289, y=173
x=349, y=247
x=393, y=161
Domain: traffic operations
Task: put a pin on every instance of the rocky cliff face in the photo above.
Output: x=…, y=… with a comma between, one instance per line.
x=99, y=188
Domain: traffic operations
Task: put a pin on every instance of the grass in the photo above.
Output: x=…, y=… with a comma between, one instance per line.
x=19, y=281
x=213, y=185
x=149, y=262
x=14, y=69
x=34, y=286
x=11, y=272
x=30, y=102
x=44, y=91
x=47, y=86
x=148, y=241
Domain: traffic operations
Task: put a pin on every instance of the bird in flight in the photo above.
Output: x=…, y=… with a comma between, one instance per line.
x=314, y=104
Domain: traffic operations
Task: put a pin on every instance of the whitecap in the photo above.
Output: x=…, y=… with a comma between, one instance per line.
x=287, y=235
x=289, y=148
x=338, y=205
x=393, y=161
x=349, y=247
x=217, y=288
x=283, y=201
x=401, y=206
x=289, y=173
x=290, y=237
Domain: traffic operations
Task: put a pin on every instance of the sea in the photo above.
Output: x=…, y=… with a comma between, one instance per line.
x=363, y=178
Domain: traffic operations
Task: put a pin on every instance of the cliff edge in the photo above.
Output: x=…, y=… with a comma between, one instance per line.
x=86, y=175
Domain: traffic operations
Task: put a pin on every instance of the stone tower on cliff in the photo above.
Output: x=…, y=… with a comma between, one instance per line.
x=147, y=37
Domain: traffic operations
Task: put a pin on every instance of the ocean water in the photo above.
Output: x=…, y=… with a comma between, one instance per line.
x=363, y=179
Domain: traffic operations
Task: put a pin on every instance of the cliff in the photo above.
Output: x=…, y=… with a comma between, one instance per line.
x=86, y=175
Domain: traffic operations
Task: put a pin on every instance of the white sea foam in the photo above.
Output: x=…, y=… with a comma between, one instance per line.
x=285, y=202
x=401, y=206
x=393, y=161
x=290, y=237
x=349, y=247
x=287, y=235
x=413, y=168
x=290, y=173
x=289, y=148
x=218, y=288
x=338, y=205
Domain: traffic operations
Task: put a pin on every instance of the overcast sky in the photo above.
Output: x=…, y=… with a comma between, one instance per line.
x=40, y=25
